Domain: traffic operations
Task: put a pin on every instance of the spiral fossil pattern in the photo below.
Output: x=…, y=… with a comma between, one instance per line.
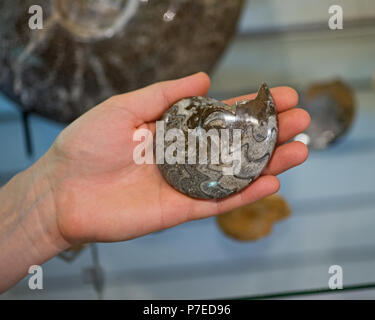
x=257, y=120
x=89, y=50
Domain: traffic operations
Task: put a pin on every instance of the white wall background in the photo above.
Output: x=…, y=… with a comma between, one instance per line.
x=280, y=13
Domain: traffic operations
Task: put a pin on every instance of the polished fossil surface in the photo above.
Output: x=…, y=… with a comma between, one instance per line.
x=254, y=120
x=89, y=50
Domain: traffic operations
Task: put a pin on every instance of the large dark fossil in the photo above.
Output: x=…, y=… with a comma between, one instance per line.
x=89, y=50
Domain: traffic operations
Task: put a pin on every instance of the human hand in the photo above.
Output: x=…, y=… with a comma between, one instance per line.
x=101, y=194
x=87, y=187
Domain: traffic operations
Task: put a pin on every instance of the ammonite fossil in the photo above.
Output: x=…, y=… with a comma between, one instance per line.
x=255, y=220
x=240, y=140
x=89, y=50
x=332, y=109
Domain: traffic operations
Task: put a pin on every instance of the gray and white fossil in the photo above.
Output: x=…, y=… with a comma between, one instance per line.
x=256, y=120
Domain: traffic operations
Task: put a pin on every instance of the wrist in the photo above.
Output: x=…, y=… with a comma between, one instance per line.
x=40, y=202
x=29, y=232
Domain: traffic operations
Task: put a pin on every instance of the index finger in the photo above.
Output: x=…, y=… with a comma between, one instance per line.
x=284, y=97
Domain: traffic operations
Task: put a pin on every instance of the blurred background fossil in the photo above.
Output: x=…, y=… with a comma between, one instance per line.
x=89, y=50
x=255, y=220
x=331, y=106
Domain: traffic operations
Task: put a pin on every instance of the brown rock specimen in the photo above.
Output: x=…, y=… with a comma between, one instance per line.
x=255, y=220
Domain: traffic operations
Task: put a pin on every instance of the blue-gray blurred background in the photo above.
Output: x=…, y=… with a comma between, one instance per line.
x=332, y=195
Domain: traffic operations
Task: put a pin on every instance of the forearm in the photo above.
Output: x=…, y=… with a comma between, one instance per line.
x=29, y=233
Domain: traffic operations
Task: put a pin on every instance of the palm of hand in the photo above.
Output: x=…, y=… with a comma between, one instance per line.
x=103, y=195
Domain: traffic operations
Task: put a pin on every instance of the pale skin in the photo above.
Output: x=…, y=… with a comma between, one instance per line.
x=87, y=187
